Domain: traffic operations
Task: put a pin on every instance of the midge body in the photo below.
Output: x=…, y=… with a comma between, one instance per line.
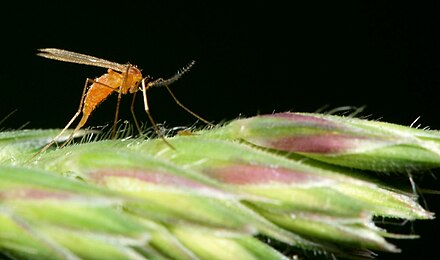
x=122, y=79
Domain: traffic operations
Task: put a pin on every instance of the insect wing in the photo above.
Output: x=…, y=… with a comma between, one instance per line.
x=69, y=56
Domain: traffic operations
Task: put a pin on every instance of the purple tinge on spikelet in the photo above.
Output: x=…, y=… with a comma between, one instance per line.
x=320, y=143
x=155, y=177
x=33, y=194
x=305, y=133
x=254, y=175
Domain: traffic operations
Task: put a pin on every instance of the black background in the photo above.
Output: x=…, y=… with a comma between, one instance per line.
x=258, y=57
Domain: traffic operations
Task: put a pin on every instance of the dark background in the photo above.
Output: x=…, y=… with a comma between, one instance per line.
x=252, y=58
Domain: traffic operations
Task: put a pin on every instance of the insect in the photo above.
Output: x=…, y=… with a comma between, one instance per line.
x=122, y=79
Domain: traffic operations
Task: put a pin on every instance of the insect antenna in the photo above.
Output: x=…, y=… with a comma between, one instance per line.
x=178, y=75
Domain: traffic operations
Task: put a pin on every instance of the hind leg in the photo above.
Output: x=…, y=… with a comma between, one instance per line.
x=54, y=140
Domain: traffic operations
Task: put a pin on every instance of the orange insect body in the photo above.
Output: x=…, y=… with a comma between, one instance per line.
x=106, y=85
x=119, y=78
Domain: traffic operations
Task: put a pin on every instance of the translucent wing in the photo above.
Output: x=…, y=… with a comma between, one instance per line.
x=69, y=56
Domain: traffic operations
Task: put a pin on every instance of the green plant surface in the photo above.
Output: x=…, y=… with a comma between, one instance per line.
x=305, y=181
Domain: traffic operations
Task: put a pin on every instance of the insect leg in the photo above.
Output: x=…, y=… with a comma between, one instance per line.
x=162, y=82
x=147, y=110
x=81, y=103
x=124, y=81
x=134, y=115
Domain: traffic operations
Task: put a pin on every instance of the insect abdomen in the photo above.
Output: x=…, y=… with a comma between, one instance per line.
x=98, y=92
